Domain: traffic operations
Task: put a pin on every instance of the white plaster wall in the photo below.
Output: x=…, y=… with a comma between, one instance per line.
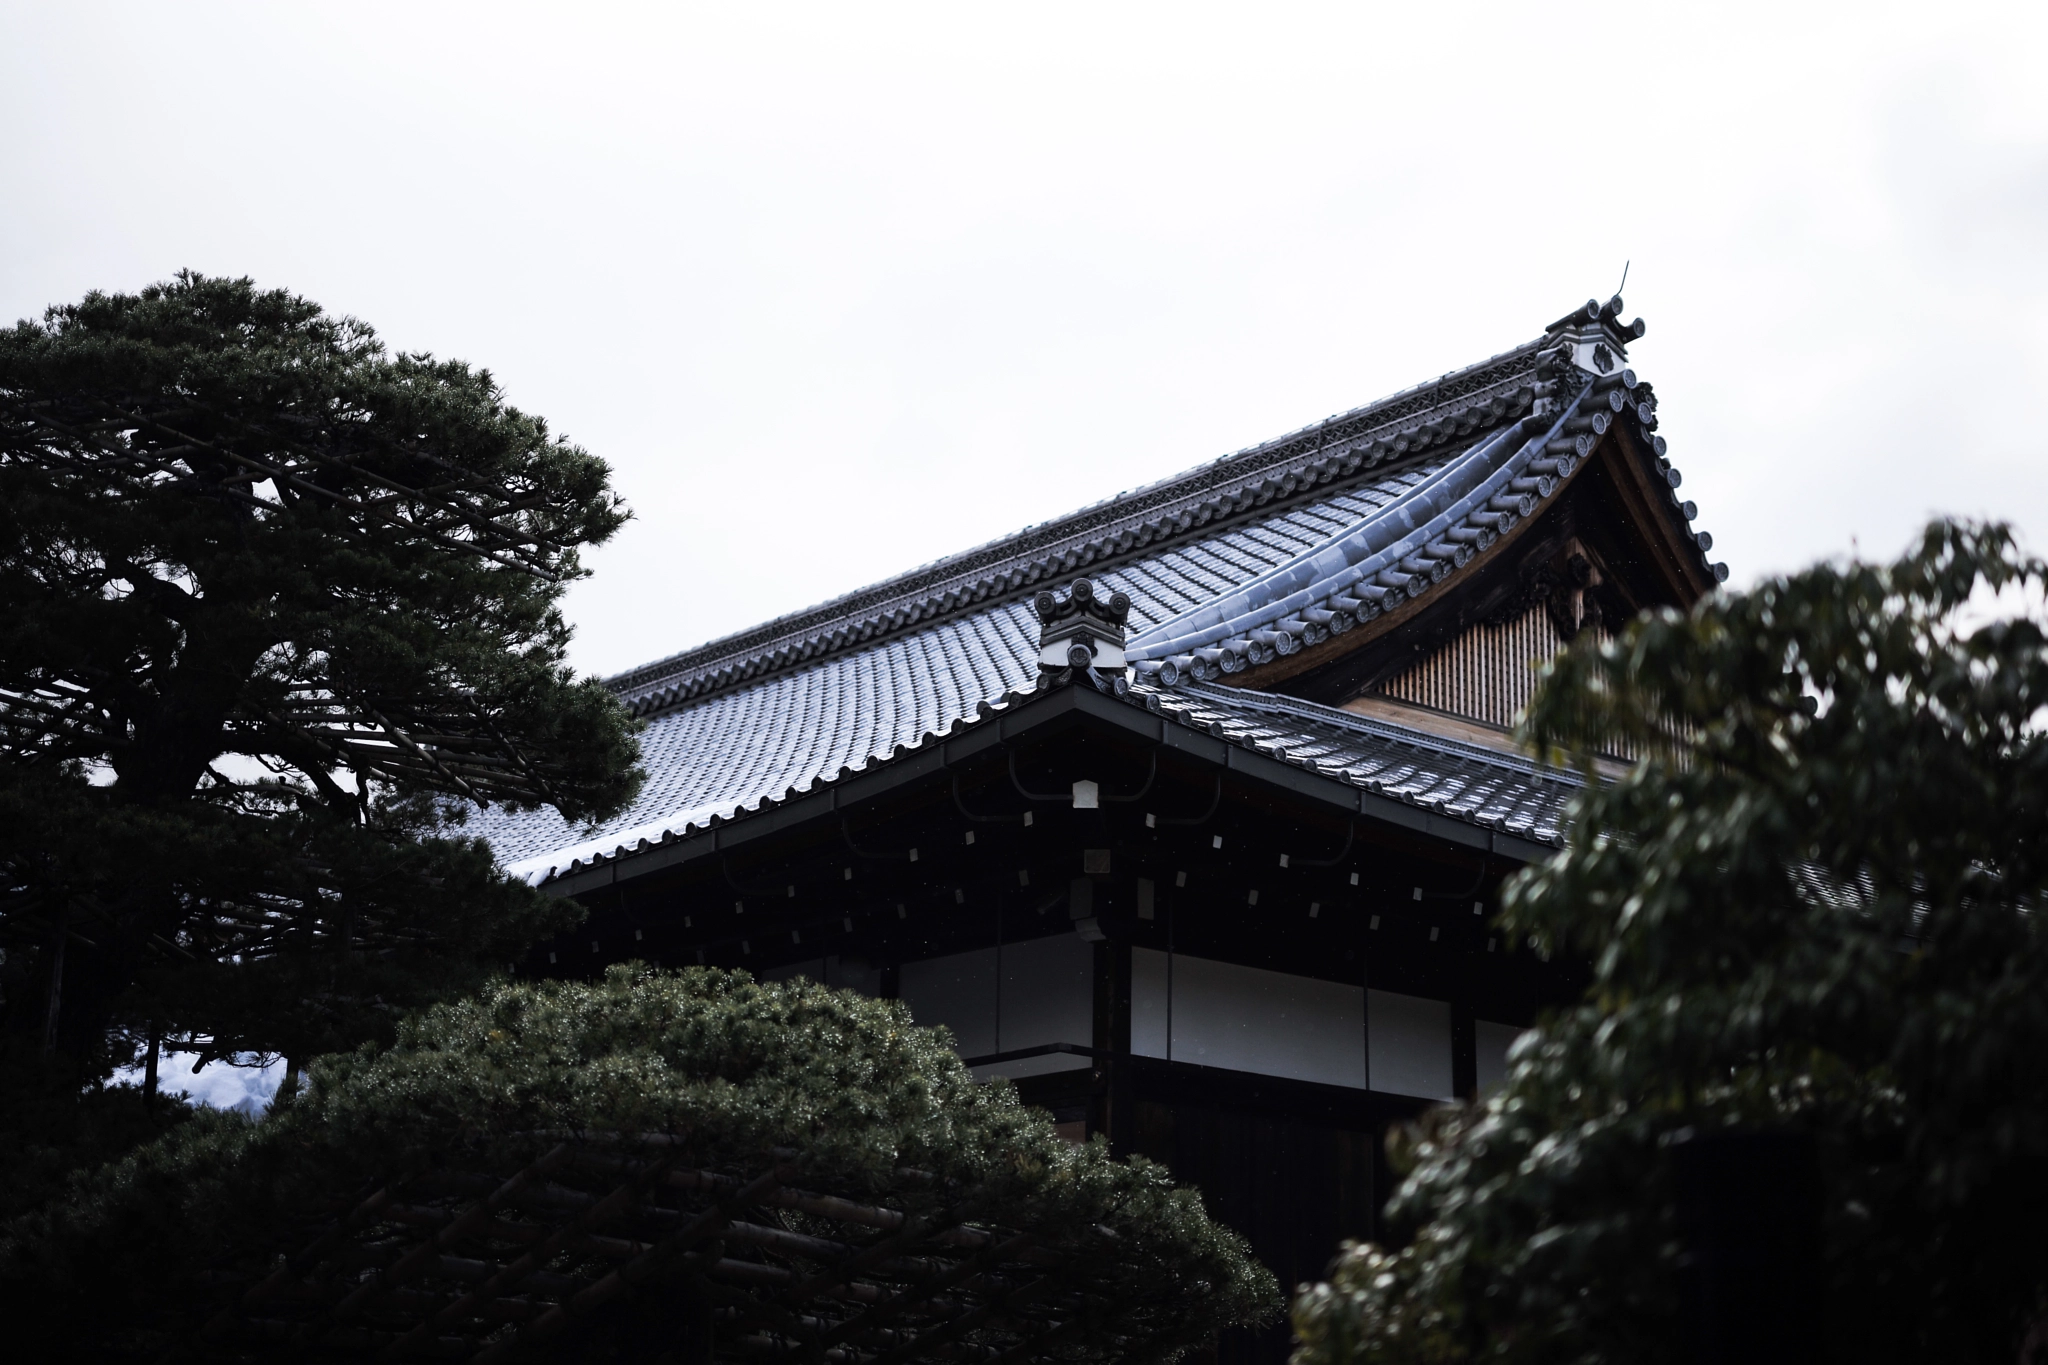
x=1411, y=1045
x=958, y=991
x=1046, y=996
x=1278, y=1024
x=856, y=976
x=1148, y=1001
x=1248, y=1019
x=1494, y=1040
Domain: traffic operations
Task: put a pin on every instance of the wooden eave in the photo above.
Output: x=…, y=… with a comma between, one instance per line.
x=937, y=760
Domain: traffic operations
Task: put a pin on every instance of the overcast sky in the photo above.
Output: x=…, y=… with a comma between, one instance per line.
x=841, y=289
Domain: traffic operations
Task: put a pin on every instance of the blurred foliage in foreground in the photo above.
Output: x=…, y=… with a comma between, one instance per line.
x=1813, y=909
x=734, y=1069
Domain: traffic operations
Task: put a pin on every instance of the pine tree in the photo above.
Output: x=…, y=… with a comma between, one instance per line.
x=534, y=1170
x=280, y=607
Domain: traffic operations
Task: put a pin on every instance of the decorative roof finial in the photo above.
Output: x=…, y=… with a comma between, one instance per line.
x=1082, y=630
x=1594, y=337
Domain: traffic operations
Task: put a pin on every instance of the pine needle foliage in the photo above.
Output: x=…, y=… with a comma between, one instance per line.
x=733, y=1069
x=1815, y=908
x=280, y=605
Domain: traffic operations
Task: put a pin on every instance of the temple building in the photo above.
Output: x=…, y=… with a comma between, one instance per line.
x=1186, y=812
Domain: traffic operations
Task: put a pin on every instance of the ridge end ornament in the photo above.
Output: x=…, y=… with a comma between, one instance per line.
x=1593, y=336
x=1082, y=630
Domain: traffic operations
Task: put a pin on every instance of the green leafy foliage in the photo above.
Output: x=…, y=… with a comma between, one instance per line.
x=56, y=1127
x=733, y=1069
x=281, y=606
x=1814, y=908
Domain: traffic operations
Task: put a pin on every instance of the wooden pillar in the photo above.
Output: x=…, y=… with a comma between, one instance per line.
x=1464, y=1049
x=1113, y=1035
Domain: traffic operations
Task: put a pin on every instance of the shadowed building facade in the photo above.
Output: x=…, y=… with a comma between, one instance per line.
x=1186, y=812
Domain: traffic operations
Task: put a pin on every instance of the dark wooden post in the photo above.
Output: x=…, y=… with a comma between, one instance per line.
x=1113, y=1035
x=1464, y=1048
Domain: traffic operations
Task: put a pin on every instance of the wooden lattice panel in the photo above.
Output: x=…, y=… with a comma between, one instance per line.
x=1488, y=673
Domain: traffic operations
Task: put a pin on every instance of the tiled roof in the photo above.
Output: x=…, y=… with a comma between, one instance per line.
x=1473, y=785
x=1390, y=555
x=791, y=729
x=1252, y=556
x=1476, y=785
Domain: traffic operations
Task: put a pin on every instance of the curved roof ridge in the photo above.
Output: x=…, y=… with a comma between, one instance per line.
x=1337, y=562
x=1120, y=511
x=1380, y=566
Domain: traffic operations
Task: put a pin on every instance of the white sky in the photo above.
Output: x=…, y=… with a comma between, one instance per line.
x=218, y=1085
x=841, y=289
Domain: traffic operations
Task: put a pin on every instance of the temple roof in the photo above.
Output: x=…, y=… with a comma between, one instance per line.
x=1251, y=567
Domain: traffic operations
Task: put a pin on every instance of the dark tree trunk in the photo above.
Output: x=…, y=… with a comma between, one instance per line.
x=156, y=1040
x=53, y=1014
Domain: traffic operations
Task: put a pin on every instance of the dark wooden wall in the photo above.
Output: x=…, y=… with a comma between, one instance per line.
x=1294, y=1190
